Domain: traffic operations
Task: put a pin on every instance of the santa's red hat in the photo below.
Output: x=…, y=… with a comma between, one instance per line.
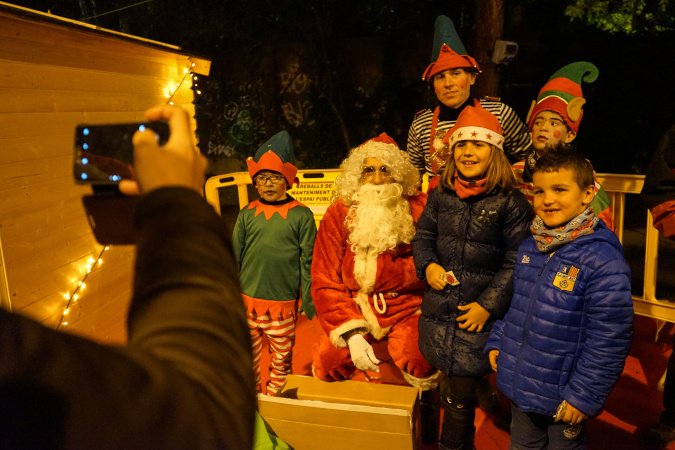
x=383, y=138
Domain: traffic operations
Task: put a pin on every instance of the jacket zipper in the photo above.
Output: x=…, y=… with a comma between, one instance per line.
x=526, y=326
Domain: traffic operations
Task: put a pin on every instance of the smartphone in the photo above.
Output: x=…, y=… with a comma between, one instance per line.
x=104, y=153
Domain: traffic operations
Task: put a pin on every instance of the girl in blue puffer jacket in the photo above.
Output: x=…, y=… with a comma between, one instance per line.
x=465, y=247
x=562, y=345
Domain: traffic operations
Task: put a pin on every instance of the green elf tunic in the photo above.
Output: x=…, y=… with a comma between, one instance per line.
x=273, y=244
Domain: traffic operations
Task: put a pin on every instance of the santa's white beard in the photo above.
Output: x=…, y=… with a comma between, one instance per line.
x=379, y=219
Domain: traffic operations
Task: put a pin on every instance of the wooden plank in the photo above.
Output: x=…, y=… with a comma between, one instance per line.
x=19, y=125
x=35, y=147
x=34, y=171
x=94, y=308
x=83, y=40
x=62, y=280
x=112, y=320
x=29, y=197
x=48, y=19
x=33, y=42
x=21, y=75
x=41, y=124
x=100, y=296
x=18, y=100
x=106, y=325
x=40, y=244
x=55, y=55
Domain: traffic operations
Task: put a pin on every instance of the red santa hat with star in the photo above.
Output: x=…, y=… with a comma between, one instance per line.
x=476, y=124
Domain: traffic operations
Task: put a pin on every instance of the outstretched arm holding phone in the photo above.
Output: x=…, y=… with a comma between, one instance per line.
x=184, y=380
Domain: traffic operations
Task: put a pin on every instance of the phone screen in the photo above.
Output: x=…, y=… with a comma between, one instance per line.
x=104, y=153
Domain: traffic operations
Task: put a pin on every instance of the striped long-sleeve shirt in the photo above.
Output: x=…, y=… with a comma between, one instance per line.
x=517, y=141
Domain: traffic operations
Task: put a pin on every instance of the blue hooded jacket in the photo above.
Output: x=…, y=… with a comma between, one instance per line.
x=569, y=328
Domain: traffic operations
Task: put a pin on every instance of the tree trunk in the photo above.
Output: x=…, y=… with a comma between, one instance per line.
x=489, y=28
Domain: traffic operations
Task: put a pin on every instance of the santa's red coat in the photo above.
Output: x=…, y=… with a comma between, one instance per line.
x=335, y=289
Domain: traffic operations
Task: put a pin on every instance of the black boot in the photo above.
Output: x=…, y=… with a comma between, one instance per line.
x=658, y=436
x=458, y=430
x=491, y=400
x=430, y=412
x=487, y=397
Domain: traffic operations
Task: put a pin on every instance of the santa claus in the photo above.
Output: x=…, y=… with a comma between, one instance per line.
x=364, y=284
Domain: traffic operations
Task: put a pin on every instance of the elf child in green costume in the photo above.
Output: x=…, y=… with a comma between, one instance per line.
x=273, y=240
x=554, y=119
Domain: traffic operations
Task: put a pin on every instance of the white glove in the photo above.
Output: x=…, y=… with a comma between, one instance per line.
x=362, y=353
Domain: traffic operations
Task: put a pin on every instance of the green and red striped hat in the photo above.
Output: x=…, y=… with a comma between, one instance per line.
x=562, y=94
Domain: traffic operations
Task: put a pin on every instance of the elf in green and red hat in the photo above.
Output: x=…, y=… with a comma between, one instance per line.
x=553, y=120
x=451, y=74
x=273, y=240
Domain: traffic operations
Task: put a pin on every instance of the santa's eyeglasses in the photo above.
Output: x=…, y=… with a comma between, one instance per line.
x=369, y=172
x=261, y=179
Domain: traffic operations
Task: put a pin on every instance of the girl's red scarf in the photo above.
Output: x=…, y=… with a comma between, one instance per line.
x=465, y=189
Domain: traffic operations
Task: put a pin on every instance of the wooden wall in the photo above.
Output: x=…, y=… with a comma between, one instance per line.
x=54, y=74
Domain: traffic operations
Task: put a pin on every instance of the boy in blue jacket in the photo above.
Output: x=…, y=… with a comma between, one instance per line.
x=563, y=343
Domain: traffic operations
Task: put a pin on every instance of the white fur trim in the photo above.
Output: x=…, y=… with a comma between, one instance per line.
x=424, y=384
x=378, y=332
x=365, y=272
x=335, y=335
x=477, y=134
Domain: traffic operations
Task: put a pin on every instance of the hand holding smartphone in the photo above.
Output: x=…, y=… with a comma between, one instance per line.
x=104, y=154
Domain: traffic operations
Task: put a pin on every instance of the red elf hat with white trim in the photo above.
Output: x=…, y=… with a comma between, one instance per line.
x=476, y=124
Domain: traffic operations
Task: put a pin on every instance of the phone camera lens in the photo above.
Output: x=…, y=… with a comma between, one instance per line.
x=85, y=131
x=84, y=176
x=141, y=128
x=85, y=161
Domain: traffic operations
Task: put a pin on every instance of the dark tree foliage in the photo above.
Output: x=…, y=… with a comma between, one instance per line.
x=338, y=72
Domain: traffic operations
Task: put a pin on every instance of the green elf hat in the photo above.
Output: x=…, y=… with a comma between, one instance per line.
x=277, y=155
x=448, y=51
x=475, y=123
x=562, y=94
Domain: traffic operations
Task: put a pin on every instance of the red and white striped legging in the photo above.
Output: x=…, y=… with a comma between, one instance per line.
x=281, y=337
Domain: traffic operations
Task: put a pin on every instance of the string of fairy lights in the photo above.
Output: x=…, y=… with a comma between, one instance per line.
x=74, y=297
x=190, y=79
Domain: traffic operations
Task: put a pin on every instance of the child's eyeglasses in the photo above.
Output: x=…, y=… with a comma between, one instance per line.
x=261, y=180
x=368, y=172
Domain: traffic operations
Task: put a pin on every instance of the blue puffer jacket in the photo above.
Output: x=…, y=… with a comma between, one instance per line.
x=569, y=327
x=477, y=238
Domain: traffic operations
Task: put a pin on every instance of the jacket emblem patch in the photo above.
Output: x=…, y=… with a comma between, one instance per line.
x=525, y=260
x=573, y=432
x=566, y=277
